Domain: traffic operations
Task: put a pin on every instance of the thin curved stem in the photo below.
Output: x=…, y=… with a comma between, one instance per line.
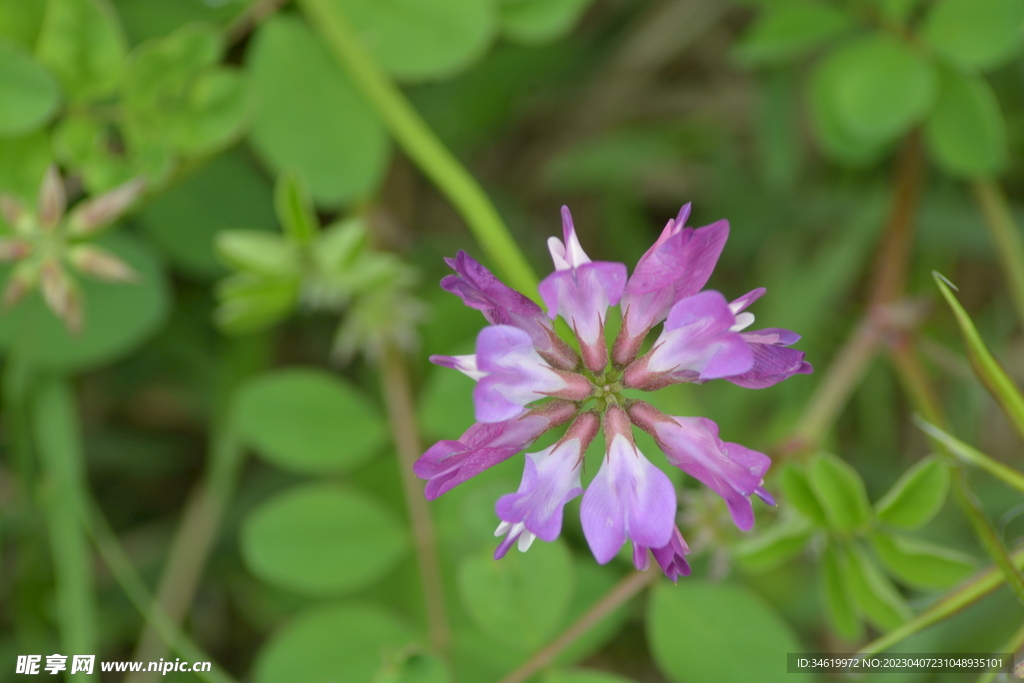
x=619, y=595
x=402, y=418
x=958, y=599
x=1004, y=232
x=421, y=144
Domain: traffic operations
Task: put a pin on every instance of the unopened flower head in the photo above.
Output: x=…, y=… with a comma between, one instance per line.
x=530, y=381
x=45, y=242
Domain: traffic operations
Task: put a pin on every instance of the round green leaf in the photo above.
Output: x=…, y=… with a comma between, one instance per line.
x=701, y=631
x=520, y=600
x=785, y=30
x=833, y=136
x=917, y=496
x=308, y=421
x=419, y=41
x=118, y=317
x=28, y=93
x=965, y=132
x=841, y=492
x=920, y=563
x=310, y=116
x=539, y=21
x=321, y=539
x=229, y=193
x=879, y=87
x=82, y=42
x=334, y=644
x=978, y=33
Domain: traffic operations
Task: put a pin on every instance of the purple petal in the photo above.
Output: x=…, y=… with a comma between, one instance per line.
x=744, y=301
x=672, y=557
x=697, y=343
x=629, y=497
x=448, y=463
x=692, y=444
x=515, y=374
x=502, y=305
x=773, y=362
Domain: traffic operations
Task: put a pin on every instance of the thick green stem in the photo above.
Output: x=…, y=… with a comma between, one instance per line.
x=55, y=430
x=421, y=144
x=957, y=600
x=1004, y=232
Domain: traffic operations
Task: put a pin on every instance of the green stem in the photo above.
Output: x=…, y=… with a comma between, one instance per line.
x=421, y=144
x=55, y=429
x=972, y=456
x=240, y=358
x=1016, y=642
x=135, y=588
x=959, y=599
x=1004, y=232
x=918, y=386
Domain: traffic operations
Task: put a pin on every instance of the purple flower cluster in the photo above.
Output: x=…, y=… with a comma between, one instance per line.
x=530, y=381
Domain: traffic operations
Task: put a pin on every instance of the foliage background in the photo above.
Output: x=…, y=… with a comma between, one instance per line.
x=240, y=444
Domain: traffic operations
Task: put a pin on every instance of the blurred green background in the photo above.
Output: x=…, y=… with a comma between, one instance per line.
x=232, y=414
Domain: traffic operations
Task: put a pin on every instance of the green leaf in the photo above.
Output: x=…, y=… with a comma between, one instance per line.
x=920, y=563
x=796, y=489
x=897, y=11
x=539, y=21
x=830, y=129
x=965, y=132
x=522, y=599
x=177, y=96
x=917, y=496
x=20, y=21
x=81, y=41
x=118, y=317
x=321, y=539
x=309, y=421
x=694, y=629
x=786, y=30
x=972, y=456
x=86, y=143
x=28, y=93
x=23, y=161
x=259, y=252
x=294, y=208
x=582, y=676
x=876, y=596
x=332, y=644
x=879, y=88
x=836, y=595
x=771, y=548
x=309, y=115
x=417, y=41
x=977, y=33
x=414, y=668
x=841, y=492
x=227, y=193
x=251, y=302
x=985, y=366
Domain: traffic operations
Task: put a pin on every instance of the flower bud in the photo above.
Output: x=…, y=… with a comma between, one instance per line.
x=100, y=263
